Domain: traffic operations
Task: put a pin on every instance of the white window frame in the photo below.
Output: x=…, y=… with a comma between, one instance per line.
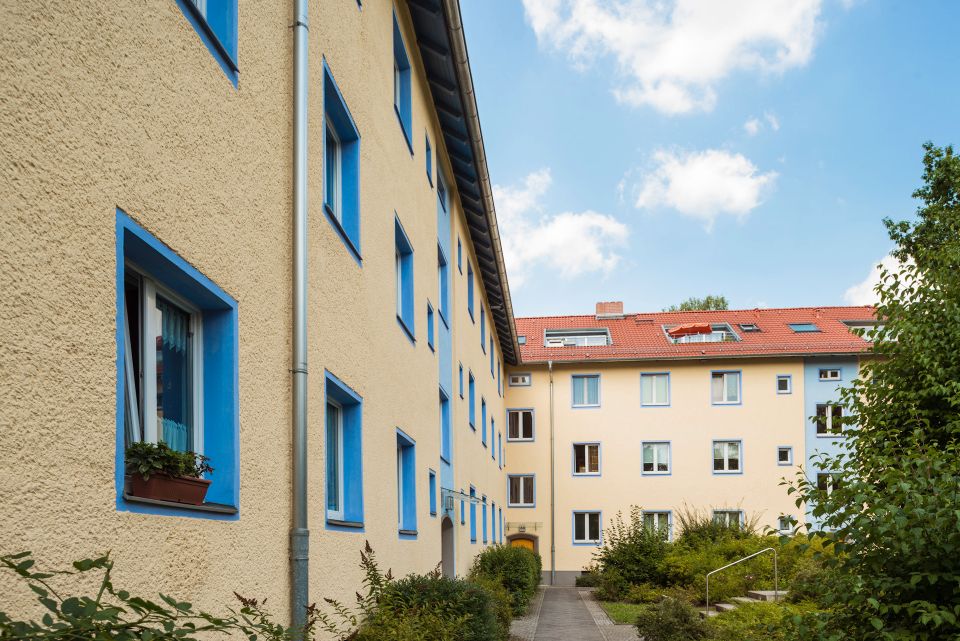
x=582, y=379
x=399, y=485
x=523, y=480
x=726, y=456
x=336, y=208
x=725, y=387
x=576, y=338
x=652, y=377
x=519, y=380
x=725, y=516
x=148, y=359
x=832, y=374
x=586, y=458
x=789, y=380
x=784, y=520
x=828, y=424
x=657, y=516
x=789, y=451
x=585, y=515
x=656, y=445
x=337, y=514
x=521, y=437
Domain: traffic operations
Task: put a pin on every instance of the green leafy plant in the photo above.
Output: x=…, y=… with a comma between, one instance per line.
x=147, y=459
x=708, y=302
x=631, y=549
x=757, y=622
x=517, y=569
x=671, y=620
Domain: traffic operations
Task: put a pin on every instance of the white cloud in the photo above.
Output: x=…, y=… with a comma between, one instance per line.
x=752, y=126
x=704, y=184
x=670, y=54
x=569, y=243
x=772, y=121
x=863, y=293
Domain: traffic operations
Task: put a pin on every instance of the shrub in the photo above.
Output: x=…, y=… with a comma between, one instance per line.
x=517, y=569
x=611, y=586
x=698, y=528
x=643, y=593
x=631, y=549
x=590, y=578
x=502, y=604
x=756, y=622
x=671, y=620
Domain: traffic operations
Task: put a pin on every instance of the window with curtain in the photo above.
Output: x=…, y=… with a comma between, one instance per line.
x=519, y=425
x=658, y=522
x=586, y=390
x=586, y=527
x=586, y=458
x=656, y=458
x=520, y=490
x=726, y=457
x=725, y=388
x=655, y=389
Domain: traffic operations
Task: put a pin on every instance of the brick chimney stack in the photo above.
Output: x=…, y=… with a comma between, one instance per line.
x=611, y=309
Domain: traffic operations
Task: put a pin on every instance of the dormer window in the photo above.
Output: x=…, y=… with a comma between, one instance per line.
x=577, y=338
x=700, y=333
x=749, y=327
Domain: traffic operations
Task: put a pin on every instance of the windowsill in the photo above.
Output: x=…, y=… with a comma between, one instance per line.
x=840, y=435
x=517, y=505
x=212, y=508
x=520, y=440
x=403, y=128
x=209, y=38
x=727, y=473
x=715, y=404
x=407, y=532
x=432, y=348
x=406, y=330
x=351, y=246
x=443, y=317
x=667, y=473
x=357, y=525
x=434, y=513
x=594, y=543
x=584, y=407
x=654, y=404
x=586, y=474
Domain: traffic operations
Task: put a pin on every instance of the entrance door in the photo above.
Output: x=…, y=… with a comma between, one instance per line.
x=522, y=543
x=446, y=548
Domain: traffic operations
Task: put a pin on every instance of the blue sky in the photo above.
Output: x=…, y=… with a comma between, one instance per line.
x=647, y=151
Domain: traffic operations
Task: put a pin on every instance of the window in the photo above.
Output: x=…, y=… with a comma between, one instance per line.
x=586, y=459
x=519, y=380
x=658, y=522
x=341, y=175
x=576, y=337
x=784, y=384
x=520, y=491
x=463, y=518
x=499, y=382
x=470, y=289
x=785, y=524
x=216, y=23
x=700, y=333
x=493, y=522
x=493, y=430
x=430, y=326
x=726, y=457
x=406, y=485
x=828, y=419
x=473, y=514
x=654, y=389
x=586, y=390
x=443, y=276
x=749, y=327
x=461, y=379
x=176, y=347
x=784, y=455
x=656, y=458
x=728, y=518
x=404, y=267
x=491, y=357
x=473, y=401
x=521, y=340
x=401, y=84
x=459, y=256
x=500, y=449
x=429, y=155
x=483, y=421
x=432, y=484
x=344, y=489
x=483, y=329
x=586, y=527
x=445, y=440
x=802, y=328
x=829, y=374
x=483, y=512
x=827, y=482
x=725, y=388
x=519, y=425
x=500, y=513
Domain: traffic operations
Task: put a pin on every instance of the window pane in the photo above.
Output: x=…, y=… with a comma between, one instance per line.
x=527, y=424
x=661, y=387
x=594, y=451
x=579, y=459
x=648, y=522
x=646, y=390
x=579, y=529
x=716, y=388
x=330, y=160
x=578, y=389
x=594, y=526
x=733, y=387
x=333, y=457
x=528, y=490
x=514, y=489
x=174, y=375
x=593, y=390
x=718, y=458
x=513, y=429
x=663, y=457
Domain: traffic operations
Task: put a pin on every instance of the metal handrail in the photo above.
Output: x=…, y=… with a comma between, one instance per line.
x=776, y=580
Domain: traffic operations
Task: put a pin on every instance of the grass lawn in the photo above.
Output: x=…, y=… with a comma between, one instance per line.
x=623, y=612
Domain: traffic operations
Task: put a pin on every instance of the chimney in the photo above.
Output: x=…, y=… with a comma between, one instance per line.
x=611, y=309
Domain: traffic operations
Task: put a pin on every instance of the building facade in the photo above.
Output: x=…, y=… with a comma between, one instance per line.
x=703, y=412
x=149, y=254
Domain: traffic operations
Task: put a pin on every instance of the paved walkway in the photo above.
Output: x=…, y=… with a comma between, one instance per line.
x=567, y=614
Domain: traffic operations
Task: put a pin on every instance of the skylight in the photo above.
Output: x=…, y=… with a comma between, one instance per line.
x=749, y=327
x=801, y=328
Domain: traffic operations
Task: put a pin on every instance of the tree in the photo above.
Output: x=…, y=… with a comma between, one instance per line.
x=893, y=514
x=693, y=303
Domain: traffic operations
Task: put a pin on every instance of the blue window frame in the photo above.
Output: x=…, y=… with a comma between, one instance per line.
x=445, y=441
x=433, y=492
x=587, y=528
x=473, y=515
x=483, y=421
x=491, y=357
x=500, y=449
x=406, y=486
x=470, y=289
x=344, y=452
x=443, y=276
x=521, y=490
x=726, y=387
x=499, y=382
x=728, y=456
x=472, y=389
x=162, y=283
x=430, y=327
x=463, y=513
x=216, y=23
x=461, y=379
x=429, y=154
x=404, y=268
x=586, y=390
x=483, y=510
x=341, y=159
x=493, y=430
x=401, y=84
x=493, y=522
x=655, y=389
x=459, y=256
x=784, y=455
x=784, y=384
x=500, y=511
x=483, y=329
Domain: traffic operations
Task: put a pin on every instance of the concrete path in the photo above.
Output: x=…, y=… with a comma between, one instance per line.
x=567, y=614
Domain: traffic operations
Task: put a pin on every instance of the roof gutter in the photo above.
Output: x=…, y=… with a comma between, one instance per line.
x=461, y=64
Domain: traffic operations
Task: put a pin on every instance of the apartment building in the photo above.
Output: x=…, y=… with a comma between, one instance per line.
x=195, y=191
x=706, y=411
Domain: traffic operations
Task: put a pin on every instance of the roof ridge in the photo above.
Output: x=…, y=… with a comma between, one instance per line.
x=708, y=311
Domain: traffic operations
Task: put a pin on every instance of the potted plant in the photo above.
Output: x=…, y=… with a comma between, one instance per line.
x=155, y=471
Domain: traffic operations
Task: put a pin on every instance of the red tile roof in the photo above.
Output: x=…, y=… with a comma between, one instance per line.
x=642, y=337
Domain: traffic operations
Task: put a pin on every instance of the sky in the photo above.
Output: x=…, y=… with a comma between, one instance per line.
x=648, y=151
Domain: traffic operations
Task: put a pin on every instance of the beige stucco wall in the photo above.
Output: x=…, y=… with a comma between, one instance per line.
x=119, y=104
x=764, y=421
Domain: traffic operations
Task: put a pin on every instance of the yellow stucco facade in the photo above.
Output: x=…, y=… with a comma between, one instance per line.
x=109, y=105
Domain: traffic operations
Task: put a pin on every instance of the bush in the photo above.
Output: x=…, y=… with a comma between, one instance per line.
x=611, y=586
x=699, y=528
x=643, y=593
x=589, y=579
x=502, y=603
x=671, y=620
x=517, y=569
x=756, y=622
x=632, y=550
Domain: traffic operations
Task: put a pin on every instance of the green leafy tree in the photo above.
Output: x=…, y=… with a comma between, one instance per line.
x=893, y=512
x=708, y=302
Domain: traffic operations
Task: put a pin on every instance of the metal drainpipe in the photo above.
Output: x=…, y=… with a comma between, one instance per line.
x=299, y=534
x=553, y=492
